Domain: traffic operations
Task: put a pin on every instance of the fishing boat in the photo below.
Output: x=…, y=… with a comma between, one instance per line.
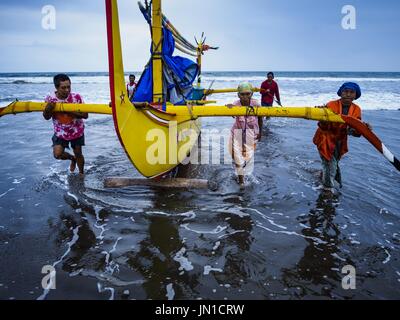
x=138, y=127
x=161, y=126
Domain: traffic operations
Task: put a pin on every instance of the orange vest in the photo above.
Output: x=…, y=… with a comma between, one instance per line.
x=64, y=117
x=328, y=133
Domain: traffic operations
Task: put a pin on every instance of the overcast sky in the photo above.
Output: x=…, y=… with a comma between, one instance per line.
x=254, y=35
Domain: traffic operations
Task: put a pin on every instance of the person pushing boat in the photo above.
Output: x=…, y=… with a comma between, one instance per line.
x=331, y=138
x=245, y=133
x=69, y=127
x=269, y=90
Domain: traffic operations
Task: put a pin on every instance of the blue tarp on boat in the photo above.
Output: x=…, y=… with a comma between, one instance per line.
x=179, y=75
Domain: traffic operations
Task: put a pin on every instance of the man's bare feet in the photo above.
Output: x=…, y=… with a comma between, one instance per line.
x=72, y=167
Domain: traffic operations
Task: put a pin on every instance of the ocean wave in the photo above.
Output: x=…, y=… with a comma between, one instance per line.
x=341, y=79
x=49, y=81
x=20, y=82
x=229, y=77
x=206, y=80
x=295, y=79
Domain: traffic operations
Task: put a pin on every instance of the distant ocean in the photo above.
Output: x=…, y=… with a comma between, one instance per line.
x=381, y=90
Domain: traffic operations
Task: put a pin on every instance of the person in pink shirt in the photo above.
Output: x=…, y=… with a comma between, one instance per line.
x=69, y=127
x=245, y=133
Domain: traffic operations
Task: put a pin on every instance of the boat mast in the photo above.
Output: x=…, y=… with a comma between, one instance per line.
x=156, y=27
x=199, y=61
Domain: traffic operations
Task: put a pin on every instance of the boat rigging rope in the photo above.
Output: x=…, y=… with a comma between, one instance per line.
x=207, y=93
x=250, y=111
x=192, y=116
x=178, y=41
x=190, y=109
x=177, y=46
x=146, y=11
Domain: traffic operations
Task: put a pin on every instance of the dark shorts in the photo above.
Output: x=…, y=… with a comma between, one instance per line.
x=74, y=143
x=266, y=104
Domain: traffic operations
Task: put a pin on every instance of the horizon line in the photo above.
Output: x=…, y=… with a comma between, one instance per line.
x=242, y=71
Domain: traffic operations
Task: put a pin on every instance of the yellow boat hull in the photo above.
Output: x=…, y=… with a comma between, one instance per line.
x=155, y=142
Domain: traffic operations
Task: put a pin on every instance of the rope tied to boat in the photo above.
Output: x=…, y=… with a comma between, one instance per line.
x=189, y=106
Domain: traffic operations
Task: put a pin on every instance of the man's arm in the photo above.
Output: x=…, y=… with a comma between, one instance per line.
x=353, y=132
x=324, y=125
x=48, y=111
x=80, y=115
x=262, y=89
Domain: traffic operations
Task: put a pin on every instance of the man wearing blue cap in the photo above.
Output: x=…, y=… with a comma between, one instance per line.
x=331, y=138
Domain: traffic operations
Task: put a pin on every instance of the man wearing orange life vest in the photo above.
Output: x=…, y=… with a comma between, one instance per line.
x=331, y=138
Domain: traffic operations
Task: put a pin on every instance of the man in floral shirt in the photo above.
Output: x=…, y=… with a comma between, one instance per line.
x=69, y=128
